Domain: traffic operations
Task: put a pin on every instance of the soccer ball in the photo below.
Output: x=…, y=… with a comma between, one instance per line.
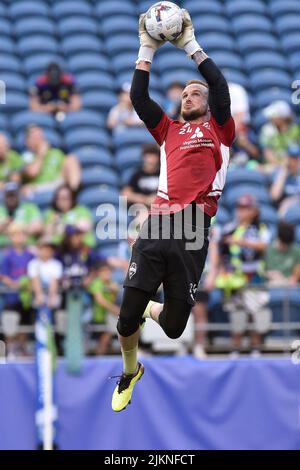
x=164, y=21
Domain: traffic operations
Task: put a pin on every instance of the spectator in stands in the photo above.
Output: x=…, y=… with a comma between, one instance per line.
x=45, y=274
x=286, y=186
x=65, y=211
x=13, y=210
x=283, y=258
x=244, y=150
x=242, y=245
x=55, y=92
x=14, y=276
x=278, y=134
x=105, y=310
x=47, y=167
x=10, y=162
x=172, y=103
x=122, y=115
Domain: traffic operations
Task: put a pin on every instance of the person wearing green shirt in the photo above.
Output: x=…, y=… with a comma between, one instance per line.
x=278, y=134
x=282, y=257
x=47, y=167
x=105, y=310
x=65, y=211
x=10, y=162
x=13, y=210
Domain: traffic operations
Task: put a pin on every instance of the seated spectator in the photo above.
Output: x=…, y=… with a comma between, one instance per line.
x=285, y=189
x=245, y=150
x=277, y=135
x=123, y=115
x=65, y=211
x=47, y=167
x=13, y=210
x=242, y=245
x=172, y=104
x=55, y=92
x=105, y=310
x=45, y=274
x=10, y=163
x=283, y=258
x=14, y=276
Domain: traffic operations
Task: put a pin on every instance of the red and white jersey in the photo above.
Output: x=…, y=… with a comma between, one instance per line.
x=194, y=162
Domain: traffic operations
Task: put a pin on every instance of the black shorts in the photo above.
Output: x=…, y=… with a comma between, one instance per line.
x=168, y=260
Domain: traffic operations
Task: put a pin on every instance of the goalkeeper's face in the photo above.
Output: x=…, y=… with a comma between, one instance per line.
x=194, y=103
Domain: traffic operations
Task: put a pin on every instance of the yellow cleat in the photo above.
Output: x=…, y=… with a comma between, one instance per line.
x=123, y=391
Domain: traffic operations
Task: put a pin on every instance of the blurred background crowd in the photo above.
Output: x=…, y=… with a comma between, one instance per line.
x=71, y=140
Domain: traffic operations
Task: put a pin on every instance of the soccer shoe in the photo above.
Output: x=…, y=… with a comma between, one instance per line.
x=124, y=389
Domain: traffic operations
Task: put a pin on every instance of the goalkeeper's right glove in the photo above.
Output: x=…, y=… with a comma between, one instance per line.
x=148, y=45
x=187, y=40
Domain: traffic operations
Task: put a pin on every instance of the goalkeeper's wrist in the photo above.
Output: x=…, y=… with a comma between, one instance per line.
x=192, y=47
x=145, y=54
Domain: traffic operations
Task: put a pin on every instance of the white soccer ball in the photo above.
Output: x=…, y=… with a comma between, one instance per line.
x=164, y=21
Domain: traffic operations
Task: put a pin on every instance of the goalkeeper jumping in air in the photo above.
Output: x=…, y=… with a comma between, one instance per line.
x=194, y=161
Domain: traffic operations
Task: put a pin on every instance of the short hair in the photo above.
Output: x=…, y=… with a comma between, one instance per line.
x=150, y=148
x=286, y=233
x=197, y=82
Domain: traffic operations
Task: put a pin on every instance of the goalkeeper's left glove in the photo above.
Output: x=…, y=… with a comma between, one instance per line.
x=187, y=40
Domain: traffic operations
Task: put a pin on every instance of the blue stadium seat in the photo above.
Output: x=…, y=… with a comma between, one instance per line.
x=83, y=119
x=182, y=76
x=288, y=23
x=213, y=7
x=5, y=28
x=173, y=61
x=24, y=119
x=123, y=62
x=65, y=9
x=143, y=5
x=217, y=42
x=29, y=9
x=96, y=81
x=253, y=42
x=78, y=44
x=278, y=7
x=118, y=25
x=14, y=82
x=258, y=120
x=128, y=157
x=9, y=63
x=207, y=23
x=7, y=45
x=37, y=63
x=99, y=100
x=240, y=7
x=52, y=136
x=294, y=61
x=291, y=42
x=102, y=194
x=268, y=215
x=77, y=25
x=293, y=215
x=90, y=156
x=126, y=175
x=266, y=97
x=269, y=78
x=37, y=45
x=98, y=175
x=235, y=76
x=122, y=43
x=30, y=26
x=3, y=11
x=16, y=101
x=132, y=136
x=278, y=298
x=261, y=60
x=88, y=63
x=223, y=216
x=3, y=123
x=88, y=136
x=115, y=7
x=228, y=59
x=251, y=23
x=234, y=194
x=42, y=199
x=241, y=176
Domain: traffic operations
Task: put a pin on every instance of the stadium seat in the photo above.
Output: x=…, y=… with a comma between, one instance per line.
x=24, y=119
x=3, y=123
x=14, y=82
x=28, y=9
x=82, y=119
x=253, y=42
x=240, y=7
x=288, y=23
x=235, y=76
x=269, y=78
x=266, y=97
x=241, y=176
x=88, y=63
x=291, y=42
x=74, y=44
x=278, y=7
x=122, y=43
x=65, y=9
x=132, y=136
x=9, y=63
x=36, y=64
x=223, y=216
x=126, y=175
x=97, y=175
x=173, y=61
x=16, y=101
x=213, y=7
x=52, y=136
x=118, y=25
x=268, y=215
x=3, y=11
x=234, y=194
x=258, y=120
x=217, y=42
x=210, y=23
x=261, y=60
x=30, y=26
x=251, y=23
x=115, y=7
x=5, y=28
x=77, y=25
x=128, y=158
x=293, y=215
x=76, y=137
x=294, y=61
x=37, y=45
x=95, y=81
x=99, y=100
x=90, y=156
x=7, y=45
x=42, y=199
x=284, y=297
x=96, y=195
x=182, y=76
x=123, y=62
x=228, y=59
